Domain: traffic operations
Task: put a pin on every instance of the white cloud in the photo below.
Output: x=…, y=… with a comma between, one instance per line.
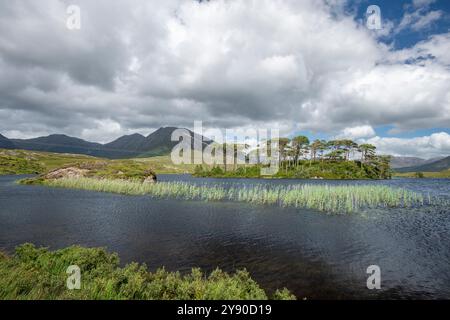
x=422, y=3
x=104, y=128
x=419, y=19
x=434, y=145
x=357, y=132
x=306, y=65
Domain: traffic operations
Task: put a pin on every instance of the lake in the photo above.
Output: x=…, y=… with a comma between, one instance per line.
x=313, y=254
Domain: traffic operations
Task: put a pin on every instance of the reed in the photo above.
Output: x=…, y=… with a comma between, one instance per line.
x=326, y=198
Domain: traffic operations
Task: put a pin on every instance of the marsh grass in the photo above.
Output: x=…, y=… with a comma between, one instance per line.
x=326, y=198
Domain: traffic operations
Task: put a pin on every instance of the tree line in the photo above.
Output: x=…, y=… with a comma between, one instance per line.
x=293, y=151
x=297, y=152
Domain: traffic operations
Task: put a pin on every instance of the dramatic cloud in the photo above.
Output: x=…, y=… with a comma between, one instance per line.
x=137, y=65
x=358, y=132
x=426, y=147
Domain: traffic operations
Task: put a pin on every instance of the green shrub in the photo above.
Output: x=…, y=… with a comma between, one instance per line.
x=304, y=169
x=37, y=273
x=419, y=175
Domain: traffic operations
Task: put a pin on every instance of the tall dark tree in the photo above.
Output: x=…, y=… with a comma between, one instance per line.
x=283, y=145
x=299, y=147
x=315, y=148
x=367, y=151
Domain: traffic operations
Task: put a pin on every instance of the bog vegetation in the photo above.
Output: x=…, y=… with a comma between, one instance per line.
x=37, y=162
x=37, y=273
x=31, y=162
x=327, y=198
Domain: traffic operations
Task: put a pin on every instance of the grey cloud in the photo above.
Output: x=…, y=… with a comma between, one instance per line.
x=138, y=65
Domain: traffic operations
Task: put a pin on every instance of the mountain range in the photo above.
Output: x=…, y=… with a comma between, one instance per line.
x=435, y=166
x=5, y=143
x=135, y=145
x=403, y=162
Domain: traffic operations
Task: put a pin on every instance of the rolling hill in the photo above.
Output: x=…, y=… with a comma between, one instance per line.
x=436, y=166
x=5, y=143
x=403, y=162
x=136, y=145
x=60, y=143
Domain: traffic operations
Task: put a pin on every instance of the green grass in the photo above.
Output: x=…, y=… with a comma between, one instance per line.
x=164, y=165
x=37, y=273
x=327, y=198
x=17, y=165
x=32, y=162
x=435, y=175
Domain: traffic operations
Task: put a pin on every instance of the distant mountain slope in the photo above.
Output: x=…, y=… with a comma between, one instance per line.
x=403, y=162
x=5, y=143
x=160, y=142
x=436, y=166
x=131, y=143
x=135, y=145
x=61, y=143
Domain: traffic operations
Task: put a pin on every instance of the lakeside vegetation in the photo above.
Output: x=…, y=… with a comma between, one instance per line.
x=10, y=164
x=37, y=273
x=445, y=174
x=321, y=167
x=304, y=169
x=298, y=158
x=37, y=162
x=164, y=165
x=31, y=162
x=326, y=198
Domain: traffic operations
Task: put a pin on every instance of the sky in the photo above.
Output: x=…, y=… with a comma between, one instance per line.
x=309, y=67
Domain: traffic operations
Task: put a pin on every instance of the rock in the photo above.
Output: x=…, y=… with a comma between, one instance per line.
x=69, y=172
x=99, y=170
x=150, y=179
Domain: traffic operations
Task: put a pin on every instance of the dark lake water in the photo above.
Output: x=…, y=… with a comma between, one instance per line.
x=313, y=254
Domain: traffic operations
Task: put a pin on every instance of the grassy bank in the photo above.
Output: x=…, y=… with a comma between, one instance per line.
x=31, y=162
x=335, y=199
x=303, y=169
x=37, y=273
x=164, y=165
x=16, y=165
x=36, y=162
x=432, y=175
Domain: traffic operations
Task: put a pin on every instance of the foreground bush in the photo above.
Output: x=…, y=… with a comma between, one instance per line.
x=37, y=273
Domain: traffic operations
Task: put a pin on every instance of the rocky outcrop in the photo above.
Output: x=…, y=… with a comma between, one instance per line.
x=70, y=172
x=103, y=170
x=150, y=177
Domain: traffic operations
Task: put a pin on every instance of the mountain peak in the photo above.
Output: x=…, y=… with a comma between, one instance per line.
x=133, y=145
x=163, y=130
x=135, y=135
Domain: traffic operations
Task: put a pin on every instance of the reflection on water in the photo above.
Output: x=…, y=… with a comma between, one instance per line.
x=313, y=254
